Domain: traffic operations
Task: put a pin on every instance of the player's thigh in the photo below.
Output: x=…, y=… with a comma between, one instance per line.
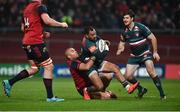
x=106, y=76
x=96, y=80
x=150, y=68
x=106, y=79
x=130, y=69
x=38, y=53
x=49, y=67
x=41, y=56
x=108, y=67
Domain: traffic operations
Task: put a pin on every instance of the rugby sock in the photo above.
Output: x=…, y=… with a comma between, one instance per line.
x=157, y=82
x=125, y=84
x=48, y=85
x=133, y=81
x=23, y=74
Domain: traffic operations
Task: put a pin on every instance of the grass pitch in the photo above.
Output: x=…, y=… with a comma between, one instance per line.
x=30, y=94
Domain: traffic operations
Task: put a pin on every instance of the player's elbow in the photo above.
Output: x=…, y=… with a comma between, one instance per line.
x=151, y=37
x=22, y=29
x=87, y=67
x=47, y=21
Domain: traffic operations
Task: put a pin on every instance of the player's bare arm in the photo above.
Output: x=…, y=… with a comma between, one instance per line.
x=22, y=27
x=51, y=22
x=153, y=40
x=88, y=65
x=92, y=49
x=121, y=46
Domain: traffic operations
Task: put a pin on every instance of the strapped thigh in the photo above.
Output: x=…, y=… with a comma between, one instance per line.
x=100, y=69
x=46, y=62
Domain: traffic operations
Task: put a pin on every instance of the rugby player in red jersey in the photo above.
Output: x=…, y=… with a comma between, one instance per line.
x=35, y=15
x=81, y=79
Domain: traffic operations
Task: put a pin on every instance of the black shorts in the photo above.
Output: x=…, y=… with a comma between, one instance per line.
x=140, y=60
x=36, y=52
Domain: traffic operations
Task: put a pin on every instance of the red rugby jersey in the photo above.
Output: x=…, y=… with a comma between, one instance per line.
x=80, y=78
x=33, y=32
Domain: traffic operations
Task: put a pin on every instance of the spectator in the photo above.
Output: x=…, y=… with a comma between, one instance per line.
x=101, y=13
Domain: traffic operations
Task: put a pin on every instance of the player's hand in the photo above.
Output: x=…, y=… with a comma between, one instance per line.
x=64, y=25
x=119, y=51
x=93, y=58
x=46, y=34
x=156, y=56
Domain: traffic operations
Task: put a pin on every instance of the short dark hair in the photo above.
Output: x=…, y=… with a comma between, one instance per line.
x=87, y=29
x=130, y=13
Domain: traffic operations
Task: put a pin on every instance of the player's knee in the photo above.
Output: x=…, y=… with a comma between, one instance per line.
x=150, y=71
x=115, y=68
x=100, y=87
x=35, y=70
x=48, y=71
x=127, y=76
x=109, y=77
x=32, y=70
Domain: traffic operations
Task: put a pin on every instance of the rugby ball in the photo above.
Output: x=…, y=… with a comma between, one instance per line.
x=102, y=45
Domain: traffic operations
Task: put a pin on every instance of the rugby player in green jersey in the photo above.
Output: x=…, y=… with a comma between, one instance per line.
x=93, y=45
x=137, y=36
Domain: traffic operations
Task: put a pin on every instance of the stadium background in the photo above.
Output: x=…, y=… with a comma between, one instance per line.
x=161, y=16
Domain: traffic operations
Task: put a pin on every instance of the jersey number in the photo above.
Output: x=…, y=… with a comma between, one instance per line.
x=26, y=22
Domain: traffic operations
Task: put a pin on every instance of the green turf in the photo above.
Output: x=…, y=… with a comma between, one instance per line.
x=30, y=94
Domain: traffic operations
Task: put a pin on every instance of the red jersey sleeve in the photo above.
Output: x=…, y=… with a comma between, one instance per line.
x=42, y=9
x=74, y=64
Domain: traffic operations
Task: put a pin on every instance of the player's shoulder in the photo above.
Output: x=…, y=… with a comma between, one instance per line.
x=85, y=41
x=98, y=37
x=140, y=25
x=88, y=41
x=143, y=28
x=73, y=61
x=42, y=6
x=30, y=6
x=34, y=3
x=124, y=31
x=68, y=62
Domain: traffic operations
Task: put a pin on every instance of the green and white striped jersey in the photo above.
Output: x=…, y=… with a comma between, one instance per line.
x=137, y=39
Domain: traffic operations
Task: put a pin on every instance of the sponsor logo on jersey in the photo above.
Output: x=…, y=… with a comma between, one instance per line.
x=136, y=30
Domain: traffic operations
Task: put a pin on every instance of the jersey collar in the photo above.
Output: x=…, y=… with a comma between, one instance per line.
x=133, y=25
